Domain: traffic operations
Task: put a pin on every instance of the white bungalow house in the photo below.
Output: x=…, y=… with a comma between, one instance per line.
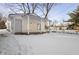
x=31, y=23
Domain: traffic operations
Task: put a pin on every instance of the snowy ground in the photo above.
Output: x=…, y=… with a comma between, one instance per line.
x=42, y=44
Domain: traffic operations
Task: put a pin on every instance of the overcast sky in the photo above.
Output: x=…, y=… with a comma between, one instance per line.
x=59, y=12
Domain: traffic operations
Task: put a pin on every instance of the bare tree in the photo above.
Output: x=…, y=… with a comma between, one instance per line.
x=48, y=7
x=23, y=7
x=34, y=6
x=45, y=8
x=28, y=6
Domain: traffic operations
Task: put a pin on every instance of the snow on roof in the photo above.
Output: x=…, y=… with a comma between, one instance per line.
x=21, y=14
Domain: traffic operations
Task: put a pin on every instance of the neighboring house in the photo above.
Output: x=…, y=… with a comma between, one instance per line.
x=31, y=23
x=7, y=23
x=5, y=26
x=57, y=26
x=69, y=25
x=61, y=26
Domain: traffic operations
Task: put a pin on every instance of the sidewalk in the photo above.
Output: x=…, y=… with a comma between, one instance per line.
x=67, y=31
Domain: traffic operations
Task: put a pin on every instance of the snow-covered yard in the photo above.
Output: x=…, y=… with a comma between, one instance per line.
x=42, y=44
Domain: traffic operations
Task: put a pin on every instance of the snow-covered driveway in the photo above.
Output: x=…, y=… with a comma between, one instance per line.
x=42, y=44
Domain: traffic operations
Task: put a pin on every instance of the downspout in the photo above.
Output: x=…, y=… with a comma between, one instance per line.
x=14, y=26
x=41, y=25
x=28, y=25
